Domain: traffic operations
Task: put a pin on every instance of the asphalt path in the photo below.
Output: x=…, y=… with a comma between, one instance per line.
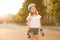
x=17, y=32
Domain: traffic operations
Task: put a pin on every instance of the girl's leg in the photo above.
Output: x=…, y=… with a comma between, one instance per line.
x=32, y=37
x=29, y=38
x=36, y=37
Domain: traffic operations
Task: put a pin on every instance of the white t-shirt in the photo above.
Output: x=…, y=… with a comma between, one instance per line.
x=34, y=21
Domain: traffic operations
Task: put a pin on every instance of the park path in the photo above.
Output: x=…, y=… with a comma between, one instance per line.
x=15, y=32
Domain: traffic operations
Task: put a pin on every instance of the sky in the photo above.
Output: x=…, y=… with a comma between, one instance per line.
x=10, y=6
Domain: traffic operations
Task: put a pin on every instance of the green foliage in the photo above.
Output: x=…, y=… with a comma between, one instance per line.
x=53, y=8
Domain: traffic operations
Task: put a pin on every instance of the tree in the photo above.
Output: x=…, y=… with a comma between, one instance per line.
x=53, y=8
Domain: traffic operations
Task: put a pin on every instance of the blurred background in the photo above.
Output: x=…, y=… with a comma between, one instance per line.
x=13, y=15
x=15, y=11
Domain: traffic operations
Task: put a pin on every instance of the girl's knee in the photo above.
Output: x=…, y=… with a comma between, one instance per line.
x=32, y=37
x=36, y=37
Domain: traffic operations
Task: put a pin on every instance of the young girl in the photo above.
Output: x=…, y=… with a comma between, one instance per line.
x=33, y=22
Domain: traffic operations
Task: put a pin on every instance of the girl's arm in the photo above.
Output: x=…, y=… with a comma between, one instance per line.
x=40, y=22
x=28, y=26
x=28, y=22
x=41, y=29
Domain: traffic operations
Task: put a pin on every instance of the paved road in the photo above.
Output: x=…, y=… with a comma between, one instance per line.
x=16, y=32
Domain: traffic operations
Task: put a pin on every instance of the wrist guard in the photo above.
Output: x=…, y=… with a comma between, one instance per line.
x=41, y=30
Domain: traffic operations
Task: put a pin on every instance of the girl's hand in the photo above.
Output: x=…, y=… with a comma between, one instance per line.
x=42, y=33
x=28, y=29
